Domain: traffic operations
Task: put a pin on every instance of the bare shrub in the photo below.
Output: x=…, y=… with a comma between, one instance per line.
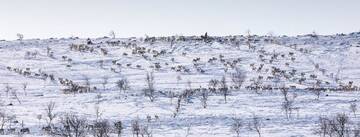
x=353, y=108
x=101, y=128
x=224, y=88
x=11, y=119
x=187, y=93
x=98, y=112
x=316, y=89
x=323, y=127
x=287, y=106
x=49, y=112
x=145, y=131
x=72, y=125
x=24, y=87
x=39, y=117
x=285, y=92
x=317, y=93
x=256, y=84
x=238, y=77
x=188, y=129
x=338, y=126
x=15, y=95
x=204, y=97
x=213, y=84
x=135, y=127
x=105, y=82
x=3, y=120
x=171, y=96
x=178, y=105
x=87, y=81
x=20, y=36
x=256, y=124
x=356, y=130
x=48, y=50
x=101, y=63
x=30, y=54
x=123, y=84
x=140, y=130
x=112, y=34
x=236, y=126
x=118, y=128
x=104, y=51
x=23, y=130
x=98, y=98
x=288, y=103
x=150, y=90
x=8, y=89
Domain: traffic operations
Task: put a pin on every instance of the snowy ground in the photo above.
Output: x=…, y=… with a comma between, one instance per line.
x=332, y=59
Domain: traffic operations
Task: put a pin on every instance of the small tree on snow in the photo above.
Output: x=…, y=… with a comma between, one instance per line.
x=323, y=127
x=248, y=39
x=213, y=84
x=24, y=86
x=123, y=84
x=149, y=90
x=178, y=106
x=288, y=104
x=204, y=97
x=353, y=108
x=105, y=81
x=98, y=112
x=135, y=127
x=338, y=126
x=256, y=124
x=72, y=126
x=145, y=131
x=3, y=119
x=224, y=88
x=49, y=111
x=20, y=36
x=39, y=117
x=8, y=89
x=14, y=93
x=238, y=77
x=317, y=93
x=236, y=126
x=118, y=127
x=101, y=128
x=112, y=34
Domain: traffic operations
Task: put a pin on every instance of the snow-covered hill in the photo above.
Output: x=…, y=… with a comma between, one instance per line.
x=83, y=77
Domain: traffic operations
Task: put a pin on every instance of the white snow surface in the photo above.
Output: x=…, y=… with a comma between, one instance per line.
x=336, y=55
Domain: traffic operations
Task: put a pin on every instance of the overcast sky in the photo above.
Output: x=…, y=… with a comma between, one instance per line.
x=95, y=18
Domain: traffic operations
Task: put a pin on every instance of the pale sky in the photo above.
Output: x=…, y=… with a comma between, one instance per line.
x=96, y=18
